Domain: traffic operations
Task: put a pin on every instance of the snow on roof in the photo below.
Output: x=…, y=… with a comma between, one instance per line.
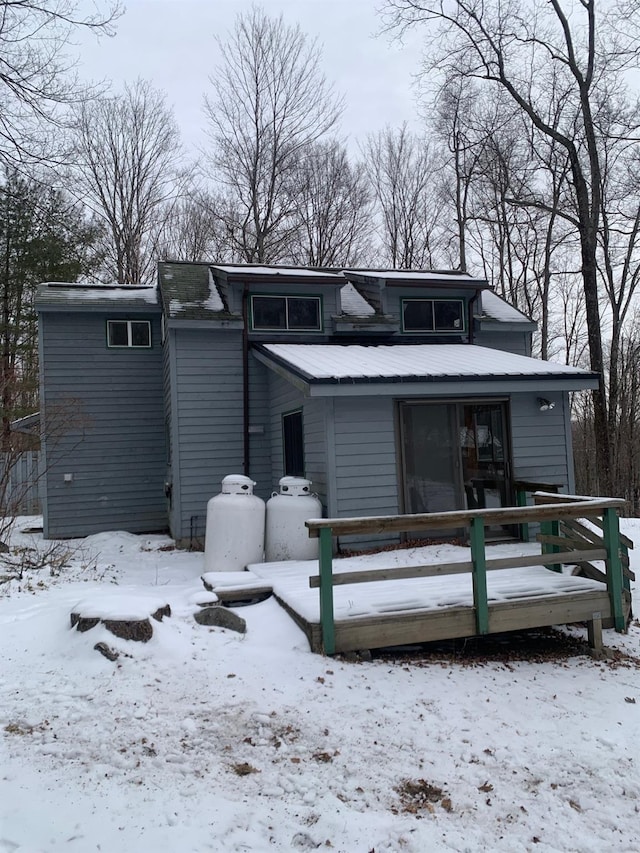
x=293, y=272
x=495, y=308
x=214, y=302
x=353, y=303
x=357, y=362
x=417, y=275
x=97, y=292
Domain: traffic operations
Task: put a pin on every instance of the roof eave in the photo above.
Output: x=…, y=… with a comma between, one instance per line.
x=388, y=385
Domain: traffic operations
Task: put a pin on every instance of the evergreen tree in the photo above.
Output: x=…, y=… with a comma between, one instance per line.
x=44, y=236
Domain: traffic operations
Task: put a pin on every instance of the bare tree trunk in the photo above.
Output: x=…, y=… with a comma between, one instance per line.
x=271, y=104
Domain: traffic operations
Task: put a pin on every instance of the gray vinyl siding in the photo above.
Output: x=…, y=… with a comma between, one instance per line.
x=283, y=397
x=512, y=342
x=316, y=451
x=539, y=441
x=259, y=439
x=208, y=420
x=365, y=462
x=112, y=440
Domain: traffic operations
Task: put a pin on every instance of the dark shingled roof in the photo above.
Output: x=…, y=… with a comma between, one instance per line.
x=188, y=292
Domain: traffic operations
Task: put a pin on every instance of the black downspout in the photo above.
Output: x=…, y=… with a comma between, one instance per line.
x=245, y=381
x=472, y=303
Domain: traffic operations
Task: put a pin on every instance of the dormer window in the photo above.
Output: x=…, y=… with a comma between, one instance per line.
x=433, y=315
x=286, y=313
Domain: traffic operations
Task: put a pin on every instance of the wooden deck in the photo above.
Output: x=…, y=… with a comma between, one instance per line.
x=415, y=610
x=484, y=595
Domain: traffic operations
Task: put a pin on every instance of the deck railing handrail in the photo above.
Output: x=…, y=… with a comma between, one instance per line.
x=547, y=514
x=461, y=518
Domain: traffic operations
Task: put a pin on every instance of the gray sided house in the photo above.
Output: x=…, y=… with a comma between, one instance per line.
x=393, y=391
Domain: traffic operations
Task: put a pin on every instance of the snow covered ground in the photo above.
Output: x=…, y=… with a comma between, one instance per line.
x=207, y=740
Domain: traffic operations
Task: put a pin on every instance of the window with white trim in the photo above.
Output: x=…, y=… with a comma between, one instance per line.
x=433, y=315
x=129, y=333
x=286, y=313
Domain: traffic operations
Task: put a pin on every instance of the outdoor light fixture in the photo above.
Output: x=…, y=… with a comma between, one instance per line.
x=545, y=405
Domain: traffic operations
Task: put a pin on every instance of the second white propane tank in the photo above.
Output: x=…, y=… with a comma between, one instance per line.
x=235, y=527
x=286, y=536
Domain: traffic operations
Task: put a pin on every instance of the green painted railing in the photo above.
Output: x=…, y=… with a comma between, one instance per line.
x=549, y=512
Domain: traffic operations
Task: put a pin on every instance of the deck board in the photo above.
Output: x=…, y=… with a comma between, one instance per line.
x=425, y=609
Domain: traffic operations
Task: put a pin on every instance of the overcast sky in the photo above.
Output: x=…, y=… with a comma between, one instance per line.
x=172, y=44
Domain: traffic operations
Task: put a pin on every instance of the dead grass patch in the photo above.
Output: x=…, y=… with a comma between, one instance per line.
x=243, y=768
x=418, y=795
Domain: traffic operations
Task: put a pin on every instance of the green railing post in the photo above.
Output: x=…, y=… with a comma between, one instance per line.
x=478, y=558
x=326, y=591
x=611, y=530
x=624, y=551
x=521, y=500
x=551, y=528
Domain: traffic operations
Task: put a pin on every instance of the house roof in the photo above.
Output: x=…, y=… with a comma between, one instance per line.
x=189, y=291
x=354, y=304
x=66, y=296
x=197, y=291
x=414, y=278
x=360, y=365
x=494, y=307
x=29, y=424
x=275, y=272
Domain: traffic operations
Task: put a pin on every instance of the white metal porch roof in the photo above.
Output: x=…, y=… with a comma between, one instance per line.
x=352, y=365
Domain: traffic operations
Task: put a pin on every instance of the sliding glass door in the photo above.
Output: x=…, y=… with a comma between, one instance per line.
x=455, y=456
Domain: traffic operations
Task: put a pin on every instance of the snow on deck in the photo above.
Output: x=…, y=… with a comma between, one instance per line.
x=290, y=581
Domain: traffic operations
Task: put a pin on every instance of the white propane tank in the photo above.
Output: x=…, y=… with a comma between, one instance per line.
x=286, y=536
x=235, y=527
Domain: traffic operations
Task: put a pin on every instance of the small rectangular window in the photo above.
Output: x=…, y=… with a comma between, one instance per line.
x=293, y=444
x=129, y=333
x=433, y=315
x=286, y=313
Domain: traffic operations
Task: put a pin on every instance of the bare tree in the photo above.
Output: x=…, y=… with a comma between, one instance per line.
x=196, y=228
x=333, y=209
x=401, y=170
x=37, y=78
x=455, y=106
x=517, y=201
x=619, y=257
x=127, y=170
x=557, y=68
x=270, y=104
x=627, y=422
